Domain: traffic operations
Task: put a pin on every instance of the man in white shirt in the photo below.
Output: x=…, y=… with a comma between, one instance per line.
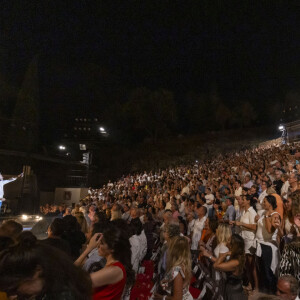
x=209, y=197
x=2, y=183
x=191, y=224
x=198, y=227
x=248, y=183
x=186, y=189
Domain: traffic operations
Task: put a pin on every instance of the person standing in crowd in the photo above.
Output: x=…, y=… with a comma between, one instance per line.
x=175, y=283
x=237, y=192
x=81, y=221
x=170, y=231
x=248, y=182
x=279, y=203
x=209, y=201
x=230, y=211
x=94, y=262
x=248, y=226
x=209, y=243
x=149, y=228
x=185, y=189
x=167, y=217
x=73, y=235
x=135, y=248
x=175, y=210
x=126, y=213
x=223, y=234
x=31, y=270
x=91, y=214
x=198, y=228
x=191, y=223
x=290, y=259
x=55, y=232
x=261, y=197
x=267, y=251
x=285, y=187
x=278, y=183
x=294, y=182
x=4, y=182
x=233, y=268
x=11, y=229
x=109, y=282
x=288, y=288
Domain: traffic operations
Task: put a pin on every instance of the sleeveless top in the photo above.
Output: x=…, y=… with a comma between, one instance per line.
x=262, y=235
x=167, y=284
x=111, y=291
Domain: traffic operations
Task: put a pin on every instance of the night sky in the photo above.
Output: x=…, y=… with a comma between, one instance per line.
x=90, y=50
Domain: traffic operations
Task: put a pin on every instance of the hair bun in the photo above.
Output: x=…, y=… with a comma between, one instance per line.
x=27, y=239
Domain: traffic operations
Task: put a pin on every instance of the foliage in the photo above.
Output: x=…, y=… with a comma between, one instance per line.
x=223, y=115
x=150, y=114
x=24, y=126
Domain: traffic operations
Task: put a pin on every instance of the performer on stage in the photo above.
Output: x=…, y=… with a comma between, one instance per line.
x=2, y=183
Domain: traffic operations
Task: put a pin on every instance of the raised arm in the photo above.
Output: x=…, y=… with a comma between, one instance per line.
x=92, y=245
x=248, y=226
x=228, y=266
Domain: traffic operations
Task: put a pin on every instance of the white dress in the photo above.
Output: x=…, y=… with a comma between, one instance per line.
x=168, y=282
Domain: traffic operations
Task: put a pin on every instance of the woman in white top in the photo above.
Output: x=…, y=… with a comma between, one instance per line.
x=247, y=224
x=267, y=250
x=238, y=190
x=285, y=187
x=223, y=235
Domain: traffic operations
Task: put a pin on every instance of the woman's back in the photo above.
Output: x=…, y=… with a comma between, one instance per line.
x=168, y=283
x=221, y=248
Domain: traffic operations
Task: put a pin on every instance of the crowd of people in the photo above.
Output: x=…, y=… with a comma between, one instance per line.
x=224, y=228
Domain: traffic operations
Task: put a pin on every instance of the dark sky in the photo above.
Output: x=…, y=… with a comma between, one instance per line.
x=248, y=49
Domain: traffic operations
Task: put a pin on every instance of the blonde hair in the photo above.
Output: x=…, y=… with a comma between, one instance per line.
x=223, y=233
x=116, y=214
x=82, y=222
x=179, y=254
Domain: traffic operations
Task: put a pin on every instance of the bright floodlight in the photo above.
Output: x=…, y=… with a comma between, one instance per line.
x=82, y=146
x=281, y=127
x=61, y=147
x=24, y=217
x=102, y=129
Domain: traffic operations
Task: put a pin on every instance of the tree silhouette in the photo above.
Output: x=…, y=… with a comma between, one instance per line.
x=24, y=134
x=223, y=115
x=150, y=113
